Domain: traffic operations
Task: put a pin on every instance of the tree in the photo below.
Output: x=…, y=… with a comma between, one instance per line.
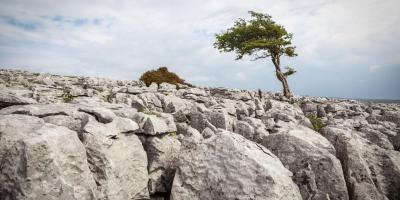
x=259, y=37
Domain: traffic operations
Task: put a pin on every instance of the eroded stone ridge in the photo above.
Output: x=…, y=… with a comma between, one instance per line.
x=66, y=137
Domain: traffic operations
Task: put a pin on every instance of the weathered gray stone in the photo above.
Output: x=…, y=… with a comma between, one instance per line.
x=163, y=155
x=194, y=91
x=126, y=112
x=198, y=120
x=155, y=125
x=231, y=94
x=260, y=130
x=227, y=166
x=396, y=141
x=207, y=133
x=47, y=81
x=110, y=130
x=310, y=157
x=245, y=129
x=375, y=136
x=180, y=116
x=42, y=161
x=44, y=110
x=333, y=108
x=284, y=111
x=173, y=103
x=308, y=107
x=230, y=106
x=151, y=101
x=8, y=98
x=392, y=116
x=102, y=115
x=64, y=120
x=220, y=119
x=166, y=87
x=321, y=111
x=242, y=110
x=370, y=171
x=118, y=161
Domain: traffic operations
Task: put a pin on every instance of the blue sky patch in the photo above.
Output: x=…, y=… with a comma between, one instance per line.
x=26, y=25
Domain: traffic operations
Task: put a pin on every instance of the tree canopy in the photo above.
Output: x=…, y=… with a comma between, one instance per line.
x=260, y=37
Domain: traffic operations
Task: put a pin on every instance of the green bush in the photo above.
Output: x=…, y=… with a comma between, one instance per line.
x=109, y=98
x=161, y=75
x=67, y=96
x=316, y=123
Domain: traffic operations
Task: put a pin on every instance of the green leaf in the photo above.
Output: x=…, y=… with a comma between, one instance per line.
x=289, y=71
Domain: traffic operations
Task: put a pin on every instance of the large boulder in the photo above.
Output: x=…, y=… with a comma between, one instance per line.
x=245, y=129
x=227, y=166
x=198, y=120
x=285, y=116
x=162, y=153
x=42, y=161
x=14, y=97
x=116, y=158
x=309, y=108
x=156, y=125
x=220, y=118
x=173, y=103
x=260, y=130
x=371, y=172
x=101, y=114
x=151, y=101
x=310, y=157
x=110, y=130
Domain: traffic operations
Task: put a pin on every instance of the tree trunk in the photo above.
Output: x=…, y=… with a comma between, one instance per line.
x=281, y=77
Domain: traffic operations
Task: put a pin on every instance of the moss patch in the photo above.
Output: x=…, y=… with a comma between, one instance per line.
x=316, y=123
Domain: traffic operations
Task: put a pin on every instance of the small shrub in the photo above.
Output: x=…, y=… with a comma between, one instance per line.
x=161, y=75
x=316, y=123
x=109, y=98
x=67, y=96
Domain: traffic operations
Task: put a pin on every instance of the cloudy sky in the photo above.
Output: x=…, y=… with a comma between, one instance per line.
x=347, y=48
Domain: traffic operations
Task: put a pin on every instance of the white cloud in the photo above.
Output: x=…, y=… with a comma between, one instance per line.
x=197, y=79
x=374, y=68
x=240, y=76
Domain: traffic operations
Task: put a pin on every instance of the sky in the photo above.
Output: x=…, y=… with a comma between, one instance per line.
x=346, y=48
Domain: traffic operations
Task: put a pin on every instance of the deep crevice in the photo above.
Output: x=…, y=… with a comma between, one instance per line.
x=8, y=104
x=26, y=112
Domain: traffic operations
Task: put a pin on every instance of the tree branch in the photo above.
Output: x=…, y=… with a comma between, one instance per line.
x=257, y=56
